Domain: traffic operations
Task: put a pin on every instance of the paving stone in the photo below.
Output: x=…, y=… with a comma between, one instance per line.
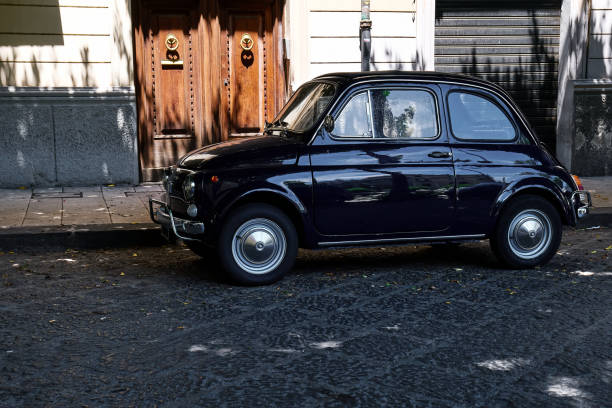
x=127, y=209
x=44, y=211
x=79, y=211
x=47, y=190
x=146, y=188
x=84, y=189
x=17, y=194
x=12, y=211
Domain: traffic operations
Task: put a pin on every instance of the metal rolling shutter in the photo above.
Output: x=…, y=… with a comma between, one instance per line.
x=512, y=43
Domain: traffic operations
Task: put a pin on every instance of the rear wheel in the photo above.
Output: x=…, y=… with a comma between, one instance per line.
x=528, y=232
x=258, y=244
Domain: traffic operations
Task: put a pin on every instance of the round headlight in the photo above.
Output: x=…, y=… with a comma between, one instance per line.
x=165, y=182
x=189, y=187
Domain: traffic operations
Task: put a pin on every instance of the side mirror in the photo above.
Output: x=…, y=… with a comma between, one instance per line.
x=328, y=123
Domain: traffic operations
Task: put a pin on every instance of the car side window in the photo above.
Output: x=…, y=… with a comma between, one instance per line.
x=354, y=120
x=473, y=117
x=404, y=114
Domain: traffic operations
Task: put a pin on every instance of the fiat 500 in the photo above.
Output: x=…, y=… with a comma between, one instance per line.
x=374, y=159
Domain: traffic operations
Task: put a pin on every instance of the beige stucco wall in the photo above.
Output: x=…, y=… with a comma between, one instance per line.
x=66, y=43
x=324, y=36
x=599, y=62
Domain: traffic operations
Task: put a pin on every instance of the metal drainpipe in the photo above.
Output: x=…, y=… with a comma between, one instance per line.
x=365, y=40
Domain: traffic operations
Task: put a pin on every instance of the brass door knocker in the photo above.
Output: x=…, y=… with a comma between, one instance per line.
x=172, y=42
x=246, y=42
x=172, y=55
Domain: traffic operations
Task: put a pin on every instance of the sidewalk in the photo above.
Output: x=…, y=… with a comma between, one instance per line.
x=601, y=194
x=78, y=215
x=101, y=215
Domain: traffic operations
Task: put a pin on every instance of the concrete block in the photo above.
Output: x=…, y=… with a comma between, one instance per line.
x=593, y=134
x=96, y=143
x=27, y=154
x=67, y=136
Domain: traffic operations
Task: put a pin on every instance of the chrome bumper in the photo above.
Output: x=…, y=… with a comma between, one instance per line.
x=163, y=216
x=581, y=200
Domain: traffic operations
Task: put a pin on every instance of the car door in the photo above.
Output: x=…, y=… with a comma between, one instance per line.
x=386, y=167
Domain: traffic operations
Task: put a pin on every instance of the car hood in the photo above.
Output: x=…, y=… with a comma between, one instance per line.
x=246, y=152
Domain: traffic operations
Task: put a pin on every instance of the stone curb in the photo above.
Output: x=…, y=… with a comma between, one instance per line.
x=82, y=236
x=148, y=234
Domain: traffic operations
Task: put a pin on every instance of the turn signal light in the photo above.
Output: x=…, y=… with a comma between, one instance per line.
x=214, y=179
x=578, y=182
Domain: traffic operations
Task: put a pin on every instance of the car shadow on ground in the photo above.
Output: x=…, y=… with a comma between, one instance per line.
x=464, y=255
x=476, y=255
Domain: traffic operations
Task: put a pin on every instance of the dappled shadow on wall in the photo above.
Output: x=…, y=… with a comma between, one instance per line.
x=43, y=43
x=386, y=59
x=514, y=45
x=24, y=25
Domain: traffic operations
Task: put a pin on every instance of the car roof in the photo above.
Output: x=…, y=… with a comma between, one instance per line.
x=364, y=76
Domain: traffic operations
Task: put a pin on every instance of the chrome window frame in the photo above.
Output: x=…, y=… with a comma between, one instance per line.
x=501, y=96
x=371, y=114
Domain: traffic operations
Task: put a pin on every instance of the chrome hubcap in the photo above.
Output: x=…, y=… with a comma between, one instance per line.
x=259, y=246
x=529, y=234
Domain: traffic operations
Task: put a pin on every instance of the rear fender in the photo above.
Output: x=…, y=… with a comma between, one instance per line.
x=542, y=187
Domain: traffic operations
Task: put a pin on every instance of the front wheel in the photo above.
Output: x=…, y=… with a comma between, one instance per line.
x=528, y=233
x=258, y=244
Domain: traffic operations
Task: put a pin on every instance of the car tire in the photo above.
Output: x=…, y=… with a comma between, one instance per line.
x=258, y=244
x=528, y=233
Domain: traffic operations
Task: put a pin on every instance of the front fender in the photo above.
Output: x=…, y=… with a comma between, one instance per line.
x=286, y=195
x=559, y=195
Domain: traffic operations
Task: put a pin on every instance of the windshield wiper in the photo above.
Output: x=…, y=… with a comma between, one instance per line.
x=277, y=125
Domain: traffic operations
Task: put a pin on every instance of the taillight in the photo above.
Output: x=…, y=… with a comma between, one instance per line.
x=578, y=182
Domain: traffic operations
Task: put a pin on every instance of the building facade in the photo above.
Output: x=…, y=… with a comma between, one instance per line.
x=112, y=91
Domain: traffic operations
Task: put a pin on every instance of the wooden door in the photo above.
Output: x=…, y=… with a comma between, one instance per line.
x=169, y=99
x=217, y=83
x=248, y=69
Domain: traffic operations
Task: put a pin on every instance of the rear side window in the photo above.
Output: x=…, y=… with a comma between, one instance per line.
x=473, y=117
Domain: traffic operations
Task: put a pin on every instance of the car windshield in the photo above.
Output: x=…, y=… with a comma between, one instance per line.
x=305, y=107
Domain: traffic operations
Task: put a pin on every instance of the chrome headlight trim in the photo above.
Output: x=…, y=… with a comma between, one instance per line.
x=189, y=187
x=165, y=180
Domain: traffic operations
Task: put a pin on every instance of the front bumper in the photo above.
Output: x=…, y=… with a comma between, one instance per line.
x=581, y=200
x=184, y=229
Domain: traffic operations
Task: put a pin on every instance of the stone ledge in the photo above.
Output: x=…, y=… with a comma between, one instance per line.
x=592, y=85
x=27, y=93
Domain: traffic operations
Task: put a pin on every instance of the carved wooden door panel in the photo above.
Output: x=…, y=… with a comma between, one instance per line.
x=206, y=71
x=171, y=95
x=247, y=68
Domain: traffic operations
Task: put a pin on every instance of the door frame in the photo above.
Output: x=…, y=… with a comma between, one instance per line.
x=211, y=123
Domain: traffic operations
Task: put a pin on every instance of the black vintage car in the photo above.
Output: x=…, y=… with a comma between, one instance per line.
x=374, y=159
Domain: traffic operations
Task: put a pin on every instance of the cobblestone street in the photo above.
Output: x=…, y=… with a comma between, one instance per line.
x=403, y=326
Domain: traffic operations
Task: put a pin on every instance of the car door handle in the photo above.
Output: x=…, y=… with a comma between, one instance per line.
x=440, y=155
